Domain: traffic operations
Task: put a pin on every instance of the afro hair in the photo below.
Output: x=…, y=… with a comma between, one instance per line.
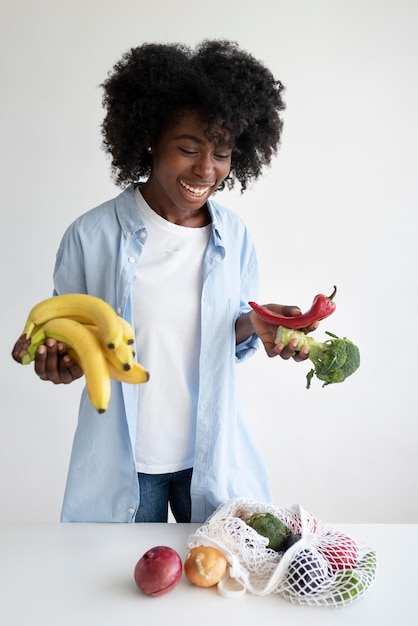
x=154, y=83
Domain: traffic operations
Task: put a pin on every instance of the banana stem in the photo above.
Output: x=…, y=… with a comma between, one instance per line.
x=36, y=340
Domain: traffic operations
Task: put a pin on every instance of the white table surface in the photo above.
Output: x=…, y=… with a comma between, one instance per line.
x=82, y=575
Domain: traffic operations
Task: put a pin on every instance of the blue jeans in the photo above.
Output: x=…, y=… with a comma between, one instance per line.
x=157, y=491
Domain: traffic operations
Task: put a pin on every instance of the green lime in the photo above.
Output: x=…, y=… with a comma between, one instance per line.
x=349, y=584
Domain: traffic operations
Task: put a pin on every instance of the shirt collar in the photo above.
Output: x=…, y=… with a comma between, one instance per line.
x=131, y=221
x=129, y=217
x=217, y=226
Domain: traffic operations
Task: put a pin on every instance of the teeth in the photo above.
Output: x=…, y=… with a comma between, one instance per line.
x=197, y=191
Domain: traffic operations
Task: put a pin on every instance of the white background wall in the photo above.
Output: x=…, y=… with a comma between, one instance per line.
x=339, y=206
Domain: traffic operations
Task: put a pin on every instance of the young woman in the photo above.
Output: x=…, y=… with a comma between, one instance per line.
x=180, y=125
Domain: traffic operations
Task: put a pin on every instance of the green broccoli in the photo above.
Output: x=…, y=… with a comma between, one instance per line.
x=334, y=360
x=269, y=526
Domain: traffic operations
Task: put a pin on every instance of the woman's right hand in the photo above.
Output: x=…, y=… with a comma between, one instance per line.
x=53, y=363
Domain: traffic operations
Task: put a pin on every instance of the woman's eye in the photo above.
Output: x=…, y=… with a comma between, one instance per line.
x=221, y=156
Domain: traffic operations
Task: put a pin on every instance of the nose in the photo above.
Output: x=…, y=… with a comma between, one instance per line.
x=203, y=166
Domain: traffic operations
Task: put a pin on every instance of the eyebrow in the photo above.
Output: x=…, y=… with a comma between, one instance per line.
x=200, y=141
x=191, y=137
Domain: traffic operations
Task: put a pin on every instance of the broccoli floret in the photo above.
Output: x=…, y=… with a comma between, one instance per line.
x=334, y=360
x=269, y=526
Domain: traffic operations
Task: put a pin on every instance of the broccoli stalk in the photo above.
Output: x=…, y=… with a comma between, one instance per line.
x=334, y=360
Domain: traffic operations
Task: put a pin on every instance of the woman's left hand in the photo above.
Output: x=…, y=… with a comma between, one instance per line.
x=267, y=334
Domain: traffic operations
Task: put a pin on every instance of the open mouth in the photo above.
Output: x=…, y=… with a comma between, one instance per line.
x=196, y=191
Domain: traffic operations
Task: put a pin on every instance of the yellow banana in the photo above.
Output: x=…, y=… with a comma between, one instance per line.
x=127, y=331
x=135, y=376
x=117, y=363
x=87, y=352
x=83, y=307
x=122, y=356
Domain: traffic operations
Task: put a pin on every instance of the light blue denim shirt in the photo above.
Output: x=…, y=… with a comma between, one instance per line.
x=98, y=255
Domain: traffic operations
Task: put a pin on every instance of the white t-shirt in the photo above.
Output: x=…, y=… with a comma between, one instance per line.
x=166, y=300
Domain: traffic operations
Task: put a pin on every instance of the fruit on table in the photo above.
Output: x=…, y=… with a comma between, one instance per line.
x=368, y=563
x=341, y=552
x=158, y=571
x=270, y=526
x=307, y=572
x=205, y=566
x=349, y=584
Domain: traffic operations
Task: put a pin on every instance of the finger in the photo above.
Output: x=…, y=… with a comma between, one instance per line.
x=302, y=354
x=291, y=310
x=64, y=364
x=61, y=348
x=290, y=350
x=65, y=373
x=309, y=329
x=51, y=364
x=40, y=362
x=69, y=370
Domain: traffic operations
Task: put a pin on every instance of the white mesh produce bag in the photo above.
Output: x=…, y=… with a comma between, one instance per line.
x=323, y=567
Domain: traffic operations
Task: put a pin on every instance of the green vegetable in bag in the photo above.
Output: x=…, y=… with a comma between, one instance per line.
x=369, y=562
x=270, y=526
x=349, y=584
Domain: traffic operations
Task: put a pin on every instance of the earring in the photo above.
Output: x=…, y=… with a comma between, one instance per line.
x=149, y=149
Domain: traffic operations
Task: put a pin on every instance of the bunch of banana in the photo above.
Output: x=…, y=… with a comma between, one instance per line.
x=96, y=338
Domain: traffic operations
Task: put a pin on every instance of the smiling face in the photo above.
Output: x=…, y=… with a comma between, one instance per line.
x=187, y=168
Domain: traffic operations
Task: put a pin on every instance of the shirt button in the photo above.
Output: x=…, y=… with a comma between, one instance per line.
x=129, y=233
x=119, y=310
x=131, y=259
x=131, y=510
x=142, y=234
